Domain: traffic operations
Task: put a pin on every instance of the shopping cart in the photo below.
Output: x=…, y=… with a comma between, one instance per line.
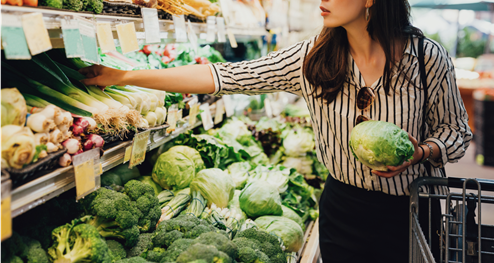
x=461, y=238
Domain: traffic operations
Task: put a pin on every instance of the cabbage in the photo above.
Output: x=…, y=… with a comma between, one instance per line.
x=298, y=142
x=303, y=165
x=289, y=213
x=378, y=144
x=215, y=186
x=274, y=175
x=240, y=173
x=234, y=205
x=288, y=230
x=177, y=167
x=18, y=146
x=259, y=198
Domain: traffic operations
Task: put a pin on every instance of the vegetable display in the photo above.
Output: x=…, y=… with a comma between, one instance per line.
x=378, y=144
x=215, y=185
x=288, y=230
x=259, y=198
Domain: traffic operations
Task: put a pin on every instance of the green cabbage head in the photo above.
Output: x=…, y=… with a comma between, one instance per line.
x=215, y=185
x=177, y=167
x=378, y=144
x=260, y=198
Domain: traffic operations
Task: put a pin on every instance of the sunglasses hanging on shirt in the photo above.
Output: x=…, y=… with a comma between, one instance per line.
x=365, y=98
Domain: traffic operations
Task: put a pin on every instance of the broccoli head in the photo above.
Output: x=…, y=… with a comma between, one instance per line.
x=176, y=249
x=145, y=200
x=95, y=6
x=12, y=246
x=171, y=237
x=198, y=230
x=199, y=251
x=78, y=243
x=220, y=241
x=133, y=260
x=182, y=223
x=117, y=250
x=52, y=3
x=114, y=215
x=33, y=252
x=144, y=243
x=249, y=255
x=74, y=5
x=258, y=234
x=260, y=240
x=13, y=259
x=156, y=255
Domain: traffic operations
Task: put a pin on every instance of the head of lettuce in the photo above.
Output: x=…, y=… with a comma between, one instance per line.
x=378, y=144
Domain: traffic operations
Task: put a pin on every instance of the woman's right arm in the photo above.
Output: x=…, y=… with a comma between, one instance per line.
x=196, y=79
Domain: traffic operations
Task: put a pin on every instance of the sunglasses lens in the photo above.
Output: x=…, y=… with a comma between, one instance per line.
x=365, y=97
x=360, y=119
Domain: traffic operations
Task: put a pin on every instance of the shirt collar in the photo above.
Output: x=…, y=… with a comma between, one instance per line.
x=411, y=47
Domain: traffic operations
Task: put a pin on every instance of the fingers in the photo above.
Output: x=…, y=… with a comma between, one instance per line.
x=91, y=81
x=388, y=174
x=412, y=139
x=89, y=70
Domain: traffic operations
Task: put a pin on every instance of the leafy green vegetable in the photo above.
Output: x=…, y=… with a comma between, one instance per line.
x=260, y=198
x=378, y=144
x=298, y=141
x=177, y=167
x=240, y=173
x=215, y=186
x=289, y=213
x=276, y=175
x=288, y=230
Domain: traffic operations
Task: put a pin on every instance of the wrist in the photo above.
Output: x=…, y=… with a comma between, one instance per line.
x=125, y=77
x=427, y=148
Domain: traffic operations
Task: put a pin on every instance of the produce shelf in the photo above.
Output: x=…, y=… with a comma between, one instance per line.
x=310, y=252
x=44, y=188
x=52, y=19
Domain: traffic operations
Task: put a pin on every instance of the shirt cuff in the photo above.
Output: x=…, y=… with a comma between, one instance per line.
x=216, y=79
x=443, y=158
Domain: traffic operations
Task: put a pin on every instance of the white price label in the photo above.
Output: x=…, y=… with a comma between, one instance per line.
x=105, y=37
x=207, y=119
x=220, y=22
x=86, y=168
x=151, y=25
x=268, y=107
x=180, y=28
x=72, y=38
x=192, y=37
x=193, y=111
x=127, y=37
x=220, y=110
x=88, y=36
x=231, y=37
x=36, y=33
x=229, y=107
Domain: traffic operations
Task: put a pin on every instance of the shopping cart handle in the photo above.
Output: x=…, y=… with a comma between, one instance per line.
x=485, y=184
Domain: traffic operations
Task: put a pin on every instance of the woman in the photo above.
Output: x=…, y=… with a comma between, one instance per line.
x=363, y=65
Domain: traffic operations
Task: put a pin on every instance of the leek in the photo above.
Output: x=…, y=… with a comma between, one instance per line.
x=159, y=93
x=28, y=86
x=131, y=99
x=34, y=101
x=120, y=98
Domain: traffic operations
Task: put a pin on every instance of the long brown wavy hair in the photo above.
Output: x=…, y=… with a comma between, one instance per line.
x=326, y=64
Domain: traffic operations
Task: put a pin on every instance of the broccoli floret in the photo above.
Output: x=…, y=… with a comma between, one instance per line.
x=182, y=223
x=146, y=202
x=156, y=255
x=74, y=5
x=52, y=3
x=245, y=242
x=176, y=249
x=95, y=6
x=12, y=246
x=78, y=243
x=264, y=242
x=113, y=214
x=257, y=234
x=171, y=237
x=249, y=255
x=199, y=251
x=13, y=259
x=198, y=230
x=144, y=243
x=221, y=242
x=279, y=258
x=223, y=258
x=270, y=249
x=117, y=250
x=133, y=260
x=33, y=252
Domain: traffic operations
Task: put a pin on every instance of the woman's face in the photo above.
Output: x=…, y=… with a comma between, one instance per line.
x=338, y=13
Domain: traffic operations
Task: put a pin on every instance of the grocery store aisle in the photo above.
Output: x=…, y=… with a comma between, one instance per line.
x=467, y=168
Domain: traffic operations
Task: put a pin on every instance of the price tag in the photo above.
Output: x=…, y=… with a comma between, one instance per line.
x=13, y=38
x=220, y=110
x=127, y=37
x=88, y=36
x=72, y=38
x=192, y=37
x=194, y=110
x=211, y=30
x=220, y=22
x=151, y=25
x=105, y=37
x=231, y=37
x=6, y=210
x=180, y=115
x=36, y=34
x=173, y=117
x=207, y=120
x=229, y=107
x=268, y=108
x=139, y=147
x=180, y=29
x=86, y=168
x=128, y=153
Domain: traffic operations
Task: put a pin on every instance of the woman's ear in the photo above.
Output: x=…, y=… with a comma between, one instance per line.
x=369, y=3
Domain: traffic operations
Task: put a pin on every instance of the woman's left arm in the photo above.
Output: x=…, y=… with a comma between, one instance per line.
x=447, y=121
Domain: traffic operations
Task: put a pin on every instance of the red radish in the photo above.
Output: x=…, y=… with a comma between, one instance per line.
x=76, y=130
x=91, y=123
x=72, y=145
x=81, y=122
x=88, y=145
x=97, y=140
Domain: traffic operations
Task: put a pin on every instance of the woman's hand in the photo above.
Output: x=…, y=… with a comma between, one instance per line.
x=102, y=76
x=395, y=170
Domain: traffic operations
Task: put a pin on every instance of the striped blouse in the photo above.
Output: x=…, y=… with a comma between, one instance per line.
x=446, y=124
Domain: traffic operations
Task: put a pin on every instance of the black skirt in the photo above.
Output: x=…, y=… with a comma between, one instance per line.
x=357, y=225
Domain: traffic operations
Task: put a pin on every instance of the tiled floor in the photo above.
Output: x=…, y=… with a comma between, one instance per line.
x=467, y=168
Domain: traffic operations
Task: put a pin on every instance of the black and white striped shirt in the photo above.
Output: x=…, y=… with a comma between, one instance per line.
x=447, y=120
